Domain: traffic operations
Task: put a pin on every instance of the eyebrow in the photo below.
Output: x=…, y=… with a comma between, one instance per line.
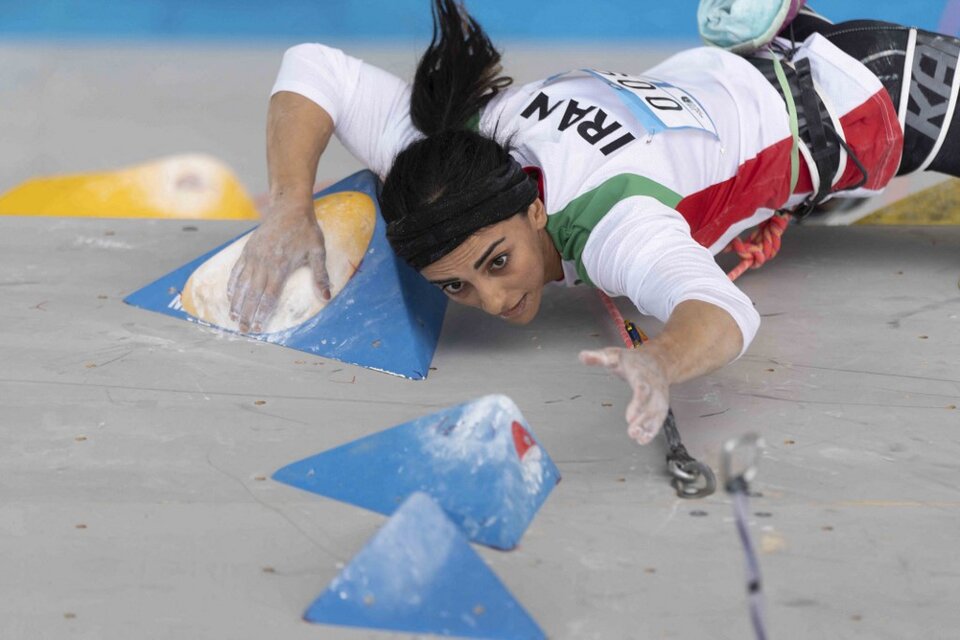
x=486, y=254
x=476, y=265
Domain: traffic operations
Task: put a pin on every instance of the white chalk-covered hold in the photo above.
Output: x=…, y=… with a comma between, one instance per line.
x=347, y=221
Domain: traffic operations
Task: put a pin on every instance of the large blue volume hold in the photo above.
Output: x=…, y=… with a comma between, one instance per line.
x=419, y=575
x=387, y=317
x=478, y=460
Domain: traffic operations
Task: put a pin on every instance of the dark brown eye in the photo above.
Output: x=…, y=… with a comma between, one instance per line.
x=499, y=262
x=453, y=288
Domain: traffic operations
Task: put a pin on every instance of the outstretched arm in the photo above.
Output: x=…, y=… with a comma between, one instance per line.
x=643, y=249
x=699, y=337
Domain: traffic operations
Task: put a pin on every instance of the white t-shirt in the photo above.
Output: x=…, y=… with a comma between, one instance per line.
x=641, y=187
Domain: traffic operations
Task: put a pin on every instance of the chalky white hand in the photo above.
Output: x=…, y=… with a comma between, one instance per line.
x=651, y=393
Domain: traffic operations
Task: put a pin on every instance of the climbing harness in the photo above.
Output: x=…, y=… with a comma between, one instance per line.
x=739, y=467
x=690, y=477
x=810, y=124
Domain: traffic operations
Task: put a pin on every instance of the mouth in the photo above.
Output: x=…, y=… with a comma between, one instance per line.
x=516, y=309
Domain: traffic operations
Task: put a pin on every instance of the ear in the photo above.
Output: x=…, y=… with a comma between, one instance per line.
x=537, y=214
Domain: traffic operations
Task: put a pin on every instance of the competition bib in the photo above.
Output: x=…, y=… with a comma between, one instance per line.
x=657, y=105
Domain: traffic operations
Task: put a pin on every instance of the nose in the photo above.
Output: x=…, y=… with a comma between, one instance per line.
x=493, y=299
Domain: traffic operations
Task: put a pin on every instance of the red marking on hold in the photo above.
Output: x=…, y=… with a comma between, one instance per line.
x=521, y=439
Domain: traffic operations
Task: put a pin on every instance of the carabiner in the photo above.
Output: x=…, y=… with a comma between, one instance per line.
x=750, y=446
x=692, y=479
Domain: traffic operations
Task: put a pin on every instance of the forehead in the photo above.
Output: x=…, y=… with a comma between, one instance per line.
x=470, y=250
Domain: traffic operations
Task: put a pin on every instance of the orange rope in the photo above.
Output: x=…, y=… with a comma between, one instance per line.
x=762, y=244
x=617, y=318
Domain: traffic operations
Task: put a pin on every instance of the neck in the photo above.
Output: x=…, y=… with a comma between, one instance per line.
x=552, y=263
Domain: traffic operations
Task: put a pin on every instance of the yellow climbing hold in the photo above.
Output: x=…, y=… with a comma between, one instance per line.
x=189, y=187
x=936, y=205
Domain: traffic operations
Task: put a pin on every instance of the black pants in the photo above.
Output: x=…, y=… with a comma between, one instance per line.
x=882, y=48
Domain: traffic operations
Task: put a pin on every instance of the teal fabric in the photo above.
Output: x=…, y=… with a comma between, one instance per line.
x=741, y=26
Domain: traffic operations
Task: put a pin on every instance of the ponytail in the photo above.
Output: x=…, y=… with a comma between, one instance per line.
x=457, y=75
x=444, y=187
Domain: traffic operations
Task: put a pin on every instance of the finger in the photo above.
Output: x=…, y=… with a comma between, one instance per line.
x=608, y=357
x=318, y=263
x=643, y=429
x=641, y=397
x=237, y=288
x=235, y=272
x=268, y=303
x=251, y=300
x=640, y=434
x=647, y=425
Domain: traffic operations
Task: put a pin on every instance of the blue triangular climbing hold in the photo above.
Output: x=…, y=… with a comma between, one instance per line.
x=478, y=460
x=418, y=574
x=387, y=317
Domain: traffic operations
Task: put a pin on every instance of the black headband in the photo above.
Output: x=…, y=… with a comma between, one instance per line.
x=428, y=234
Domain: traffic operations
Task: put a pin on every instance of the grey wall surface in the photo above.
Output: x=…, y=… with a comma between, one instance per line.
x=79, y=108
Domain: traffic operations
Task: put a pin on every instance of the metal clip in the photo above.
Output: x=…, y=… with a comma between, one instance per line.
x=637, y=336
x=745, y=452
x=691, y=478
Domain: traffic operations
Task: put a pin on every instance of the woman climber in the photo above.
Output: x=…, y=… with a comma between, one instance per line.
x=629, y=183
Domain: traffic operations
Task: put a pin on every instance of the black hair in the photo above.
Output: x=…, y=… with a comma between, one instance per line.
x=456, y=77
